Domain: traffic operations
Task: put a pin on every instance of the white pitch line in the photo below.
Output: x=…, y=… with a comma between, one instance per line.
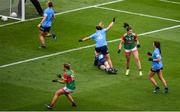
x=170, y=1
x=139, y=14
x=80, y=48
x=65, y=12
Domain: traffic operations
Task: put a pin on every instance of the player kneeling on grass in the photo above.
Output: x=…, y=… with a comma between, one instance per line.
x=45, y=25
x=103, y=64
x=157, y=67
x=68, y=80
x=131, y=43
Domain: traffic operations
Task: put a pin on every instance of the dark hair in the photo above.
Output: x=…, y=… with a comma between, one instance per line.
x=126, y=25
x=157, y=45
x=50, y=4
x=128, y=28
x=98, y=28
x=67, y=66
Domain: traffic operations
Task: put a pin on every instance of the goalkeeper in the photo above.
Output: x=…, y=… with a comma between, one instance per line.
x=68, y=80
x=36, y=4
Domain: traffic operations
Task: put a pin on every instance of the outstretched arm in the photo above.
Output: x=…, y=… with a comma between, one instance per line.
x=111, y=24
x=62, y=81
x=84, y=39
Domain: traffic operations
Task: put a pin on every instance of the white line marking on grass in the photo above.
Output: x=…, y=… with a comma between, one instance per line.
x=80, y=48
x=139, y=14
x=65, y=12
x=170, y=1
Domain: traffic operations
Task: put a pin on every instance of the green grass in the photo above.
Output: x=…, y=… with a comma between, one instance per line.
x=28, y=86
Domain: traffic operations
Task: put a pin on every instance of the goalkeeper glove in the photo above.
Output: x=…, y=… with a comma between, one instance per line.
x=55, y=80
x=114, y=19
x=150, y=59
x=80, y=40
x=59, y=76
x=138, y=45
x=149, y=53
x=119, y=51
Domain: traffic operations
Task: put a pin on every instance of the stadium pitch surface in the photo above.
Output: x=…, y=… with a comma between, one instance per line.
x=26, y=71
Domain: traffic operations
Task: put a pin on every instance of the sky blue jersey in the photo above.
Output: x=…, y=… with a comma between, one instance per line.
x=156, y=65
x=49, y=13
x=100, y=38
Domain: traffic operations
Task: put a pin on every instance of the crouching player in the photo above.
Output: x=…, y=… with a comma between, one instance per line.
x=157, y=67
x=68, y=80
x=103, y=64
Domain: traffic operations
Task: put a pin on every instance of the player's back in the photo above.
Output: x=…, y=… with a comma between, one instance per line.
x=49, y=14
x=156, y=54
x=100, y=37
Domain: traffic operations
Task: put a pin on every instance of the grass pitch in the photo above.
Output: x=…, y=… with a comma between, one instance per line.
x=28, y=86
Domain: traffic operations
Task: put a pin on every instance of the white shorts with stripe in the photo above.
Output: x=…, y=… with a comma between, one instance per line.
x=67, y=90
x=131, y=50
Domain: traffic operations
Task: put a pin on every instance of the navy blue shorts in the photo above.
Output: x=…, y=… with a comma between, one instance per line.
x=156, y=71
x=45, y=29
x=103, y=50
x=101, y=62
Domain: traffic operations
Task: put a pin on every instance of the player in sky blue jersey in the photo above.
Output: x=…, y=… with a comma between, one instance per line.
x=157, y=67
x=45, y=24
x=100, y=37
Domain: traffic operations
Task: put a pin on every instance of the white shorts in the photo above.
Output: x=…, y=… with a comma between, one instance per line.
x=130, y=50
x=67, y=90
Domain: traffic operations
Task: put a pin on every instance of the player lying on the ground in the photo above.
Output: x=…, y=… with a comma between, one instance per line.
x=45, y=25
x=69, y=81
x=103, y=64
x=100, y=37
x=131, y=43
x=157, y=67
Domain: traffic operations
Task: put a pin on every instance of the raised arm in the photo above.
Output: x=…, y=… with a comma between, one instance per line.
x=111, y=24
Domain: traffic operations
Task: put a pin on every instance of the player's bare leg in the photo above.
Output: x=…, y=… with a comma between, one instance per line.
x=70, y=98
x=102, y=67
x=105, y=67
x=56, y=96
x=160, y=75
x=127, y=54
x=138, y=62
x=151, y=78
x=153, y=81
x=42, y=39
x=109, y=60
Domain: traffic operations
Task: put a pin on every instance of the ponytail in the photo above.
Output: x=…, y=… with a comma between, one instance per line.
x=157, y=45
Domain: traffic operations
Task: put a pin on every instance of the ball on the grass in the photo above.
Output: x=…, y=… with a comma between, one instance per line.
x=13, y=14
x=4, y=18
